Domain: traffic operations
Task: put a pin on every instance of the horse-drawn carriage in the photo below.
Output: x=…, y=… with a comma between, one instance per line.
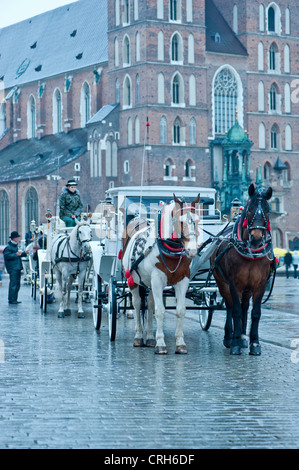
x=111, y=293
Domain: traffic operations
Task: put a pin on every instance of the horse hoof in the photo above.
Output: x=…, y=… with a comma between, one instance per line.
x=67, y=312
x=60, y=315
x=227, y=343
x=150, y=343
x=235, y=350
x=255, y=349
x=81, y=315
x=244, y=343
x=181, y=349
x=138, y=342
x=160, y=350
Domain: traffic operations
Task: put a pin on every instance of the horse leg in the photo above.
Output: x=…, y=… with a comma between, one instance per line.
x=80, y=296
x=157, y=288
x=136, y=300
x=237, y=316
x=228, y=327
x=150, y=340
x=244, y=306
x=67, y=295
x=58, y=276
x=255, y=348
x=180, y=293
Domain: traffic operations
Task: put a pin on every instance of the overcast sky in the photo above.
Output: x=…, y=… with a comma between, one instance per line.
x=13, y=11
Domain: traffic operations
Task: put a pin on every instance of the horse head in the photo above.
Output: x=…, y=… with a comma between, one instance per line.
x=186, y=224
x=83, y=235
x=256, y=215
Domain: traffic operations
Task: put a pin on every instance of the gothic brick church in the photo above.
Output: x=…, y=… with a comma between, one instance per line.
x=154, y=92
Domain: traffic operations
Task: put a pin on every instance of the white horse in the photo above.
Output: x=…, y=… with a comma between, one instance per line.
x=70, y=255
x=156, y=261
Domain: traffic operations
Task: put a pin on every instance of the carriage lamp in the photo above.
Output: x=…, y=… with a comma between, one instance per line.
x=108, y=212
x=48, y=216
x=236, y=208
x=32, y=226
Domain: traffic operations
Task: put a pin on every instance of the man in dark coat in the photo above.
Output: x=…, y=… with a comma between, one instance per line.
x=288, y=260
x=70, y=204
x=13, y=264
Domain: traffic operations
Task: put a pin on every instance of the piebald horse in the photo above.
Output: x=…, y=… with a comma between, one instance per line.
x=242, y=266
x=70, y=255
x=154, y=260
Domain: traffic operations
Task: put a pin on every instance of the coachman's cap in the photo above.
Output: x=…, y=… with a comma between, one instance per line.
x=71, y=183
x=14, y=234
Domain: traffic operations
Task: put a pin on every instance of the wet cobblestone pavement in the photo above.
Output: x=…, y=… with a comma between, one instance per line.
x=63, y=385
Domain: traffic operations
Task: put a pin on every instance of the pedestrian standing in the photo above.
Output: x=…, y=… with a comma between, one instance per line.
x=70, y=204
x=13, y=264
x=288, y=260
x=295, y=262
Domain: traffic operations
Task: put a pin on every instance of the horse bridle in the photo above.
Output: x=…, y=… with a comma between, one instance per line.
x=81, y=242
x=183, y=235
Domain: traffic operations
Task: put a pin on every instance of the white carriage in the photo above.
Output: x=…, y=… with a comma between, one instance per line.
x=110, y=291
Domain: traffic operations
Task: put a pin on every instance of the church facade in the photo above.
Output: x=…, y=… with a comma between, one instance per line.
x=132, y=92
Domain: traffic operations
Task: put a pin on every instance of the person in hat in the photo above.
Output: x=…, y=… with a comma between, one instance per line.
x=70, y=204
x=13, y=264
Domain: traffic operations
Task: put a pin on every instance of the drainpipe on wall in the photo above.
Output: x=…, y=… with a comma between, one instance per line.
x=17, y=207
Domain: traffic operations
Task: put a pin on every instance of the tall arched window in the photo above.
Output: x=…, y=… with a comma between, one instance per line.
x=273, y=57
x=261, y=17
x=160, y=45
x=85, y=104
x=117, y=12
x=192, y=131
x=261, y=96
x=108, y=162
x=4, y=217
x=126, y=11
x=177, y=131
x=137, y=46
x=130, y=131
x=175, y=7
x=116, y=52
x=31, y=118
x=287, y=98
x=31, y=207
x=137, y=130
x=2, y=118
x=271, y=19
x=163, y=130
x=273, y=92
x=191, y=49
x=260, y=56
x=57, y=112
x=117, y=91
x=274, y=137
x=262, y=136
x=288, y=137
x=126, y=51
x=192, y=90
x=114, y=159
x=161, y=89
x=177, y=90
x=225, y=100
x=177, y=48
x=127, y=99
x=286, y=58
x=137, y=89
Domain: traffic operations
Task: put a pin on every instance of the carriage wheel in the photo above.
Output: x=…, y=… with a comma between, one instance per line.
x=112, y=309
x=205, y=318
x=45, y=296
x=97, y=298
x=34, y=285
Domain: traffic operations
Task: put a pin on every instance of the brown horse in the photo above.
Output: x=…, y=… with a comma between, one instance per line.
x=241, y=266
x=154, y=259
